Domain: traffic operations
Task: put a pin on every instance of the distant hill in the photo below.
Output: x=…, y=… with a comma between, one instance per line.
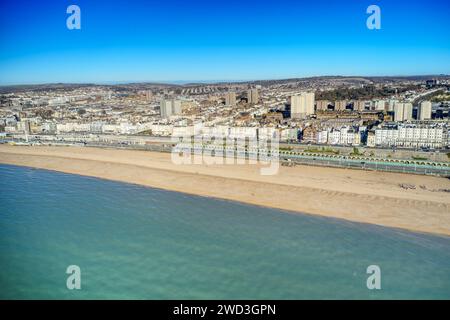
x=180, y=84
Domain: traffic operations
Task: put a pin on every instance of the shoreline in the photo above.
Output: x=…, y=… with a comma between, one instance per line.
x=354, y=195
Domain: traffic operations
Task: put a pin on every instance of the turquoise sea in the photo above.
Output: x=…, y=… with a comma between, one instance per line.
x=132, y=242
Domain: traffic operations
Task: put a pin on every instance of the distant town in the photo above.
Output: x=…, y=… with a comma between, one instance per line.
x=355, y=115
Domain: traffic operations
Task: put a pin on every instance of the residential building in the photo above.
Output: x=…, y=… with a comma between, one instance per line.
x=253, y=96
x=412, y=135
x=403, y=111
x=424, y=111
x=230, y=99
x=340, y=105
x=302, y=105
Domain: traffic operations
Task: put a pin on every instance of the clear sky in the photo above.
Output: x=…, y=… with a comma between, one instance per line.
x=190, y=40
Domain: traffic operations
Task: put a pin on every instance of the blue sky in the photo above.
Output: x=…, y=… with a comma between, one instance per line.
x=168, y=40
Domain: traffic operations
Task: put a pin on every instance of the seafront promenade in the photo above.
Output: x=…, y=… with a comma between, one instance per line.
x=289, y=154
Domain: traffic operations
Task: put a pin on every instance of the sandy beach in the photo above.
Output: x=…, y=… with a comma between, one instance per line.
x=361, y=196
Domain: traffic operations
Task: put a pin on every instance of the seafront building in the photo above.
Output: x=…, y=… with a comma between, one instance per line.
x=288, y=108
x=344, y=136
x=412, y=135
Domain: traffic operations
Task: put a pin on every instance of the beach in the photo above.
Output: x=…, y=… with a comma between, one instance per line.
x=355, y=195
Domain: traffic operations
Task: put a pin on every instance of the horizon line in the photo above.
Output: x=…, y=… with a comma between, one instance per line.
x=214, y=81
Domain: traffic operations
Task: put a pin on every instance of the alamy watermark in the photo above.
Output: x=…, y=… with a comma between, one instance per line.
x=224, y=145
x=374, y=20
x=74, y=278
x=374, y=280
x=73, y=21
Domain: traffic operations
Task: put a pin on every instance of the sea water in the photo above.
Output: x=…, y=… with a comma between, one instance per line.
x=133, y=242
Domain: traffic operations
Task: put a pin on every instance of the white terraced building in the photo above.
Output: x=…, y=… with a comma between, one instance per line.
x=412, y=136
x=343, y=136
